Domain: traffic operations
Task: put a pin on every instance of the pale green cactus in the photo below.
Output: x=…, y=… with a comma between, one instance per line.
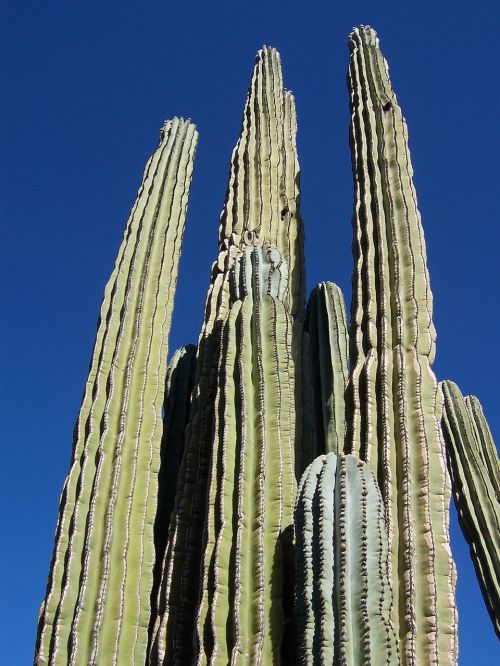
x=325, y=358
x=223, y=577
x=97, y=604
x=394, y=405
x=344, y=597
x=475, y=475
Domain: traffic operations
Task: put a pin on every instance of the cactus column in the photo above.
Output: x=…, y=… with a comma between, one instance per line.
x=475, y=475
x=97, y=604
x=223, y=579
x=394, y=402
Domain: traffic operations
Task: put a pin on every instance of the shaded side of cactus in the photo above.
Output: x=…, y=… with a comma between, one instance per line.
x=97, y=604
x=393, y=398
x=343, y=588
x=475, y=476
x=178, y=386
x=221, y=581
x=325, y=357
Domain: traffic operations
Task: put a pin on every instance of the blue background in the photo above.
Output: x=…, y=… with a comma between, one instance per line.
x=86, y=86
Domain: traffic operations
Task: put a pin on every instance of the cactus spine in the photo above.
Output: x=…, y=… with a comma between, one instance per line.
x=97, y=603
x=233, y=515
x=325, y=359
x=475, y=476
x=394, y=403
x=344, y=598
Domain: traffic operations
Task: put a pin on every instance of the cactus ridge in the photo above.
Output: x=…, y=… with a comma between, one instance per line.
x=393, y=398
x=343, y=591
x=325, y=358
x=97, y=606
x=475, y=475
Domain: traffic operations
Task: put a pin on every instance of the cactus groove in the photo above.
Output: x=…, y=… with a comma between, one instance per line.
x=344, y=598
x=393, y=399
x=475, y=475
x=97, y=604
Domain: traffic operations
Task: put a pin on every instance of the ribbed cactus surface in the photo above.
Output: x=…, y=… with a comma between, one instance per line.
x=325, y=358
x=343, y=597
x=394, y=404
x=475, y=475
x=221, y=597
x=97, y=604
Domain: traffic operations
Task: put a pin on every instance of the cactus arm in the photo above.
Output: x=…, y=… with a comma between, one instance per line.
x=343, y=591
x=393, y=395
x=325, y=362
x=97, y=605
x=258, y=337
x=471, y=460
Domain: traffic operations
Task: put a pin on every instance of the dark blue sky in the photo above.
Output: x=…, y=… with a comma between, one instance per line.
x=86, y=87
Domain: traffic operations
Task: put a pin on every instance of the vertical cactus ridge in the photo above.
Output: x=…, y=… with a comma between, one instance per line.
x=97, y=603
x=343, y=590
x=237, y=484
x=325, y=358
x=263, y=191
x=475, y=474
x=393, y=397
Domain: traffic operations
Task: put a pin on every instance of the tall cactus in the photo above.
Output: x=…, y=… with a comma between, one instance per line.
x=325, y=357
x=394, y=403
x=236, y=488
x=97, y=604
x=344, y=598
x=475, y=476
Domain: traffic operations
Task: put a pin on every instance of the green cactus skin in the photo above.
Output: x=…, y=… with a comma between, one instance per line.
x=325, y=357
x=97, y=604
x=178, y=387
x=393, y=398
x=343, y=590
x=475, y=476
x=233, y=516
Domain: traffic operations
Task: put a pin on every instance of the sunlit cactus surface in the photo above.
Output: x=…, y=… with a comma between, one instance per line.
x=279, y=494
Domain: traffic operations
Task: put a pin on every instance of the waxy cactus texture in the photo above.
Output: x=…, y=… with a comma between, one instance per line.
x=175, y=541
x=231, y=531
x=475, y=476
x=394, y=408
x=325, y=359
x=97, y=605
x=344, y=597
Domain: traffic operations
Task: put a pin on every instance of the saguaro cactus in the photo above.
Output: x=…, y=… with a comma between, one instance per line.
x=236, y=489
x=344, y=598
x=325, y=358
x=475, y=475
x=394, y=403
x=97, y=603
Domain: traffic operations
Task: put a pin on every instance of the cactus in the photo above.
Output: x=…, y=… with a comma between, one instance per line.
x=475, y=475
x=344, y=596
x=325, y=372
x=231, y=527
x=178, y=386
x=394, y=405
x=97, y=603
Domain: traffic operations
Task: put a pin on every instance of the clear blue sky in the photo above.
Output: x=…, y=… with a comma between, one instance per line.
x=86, y=86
